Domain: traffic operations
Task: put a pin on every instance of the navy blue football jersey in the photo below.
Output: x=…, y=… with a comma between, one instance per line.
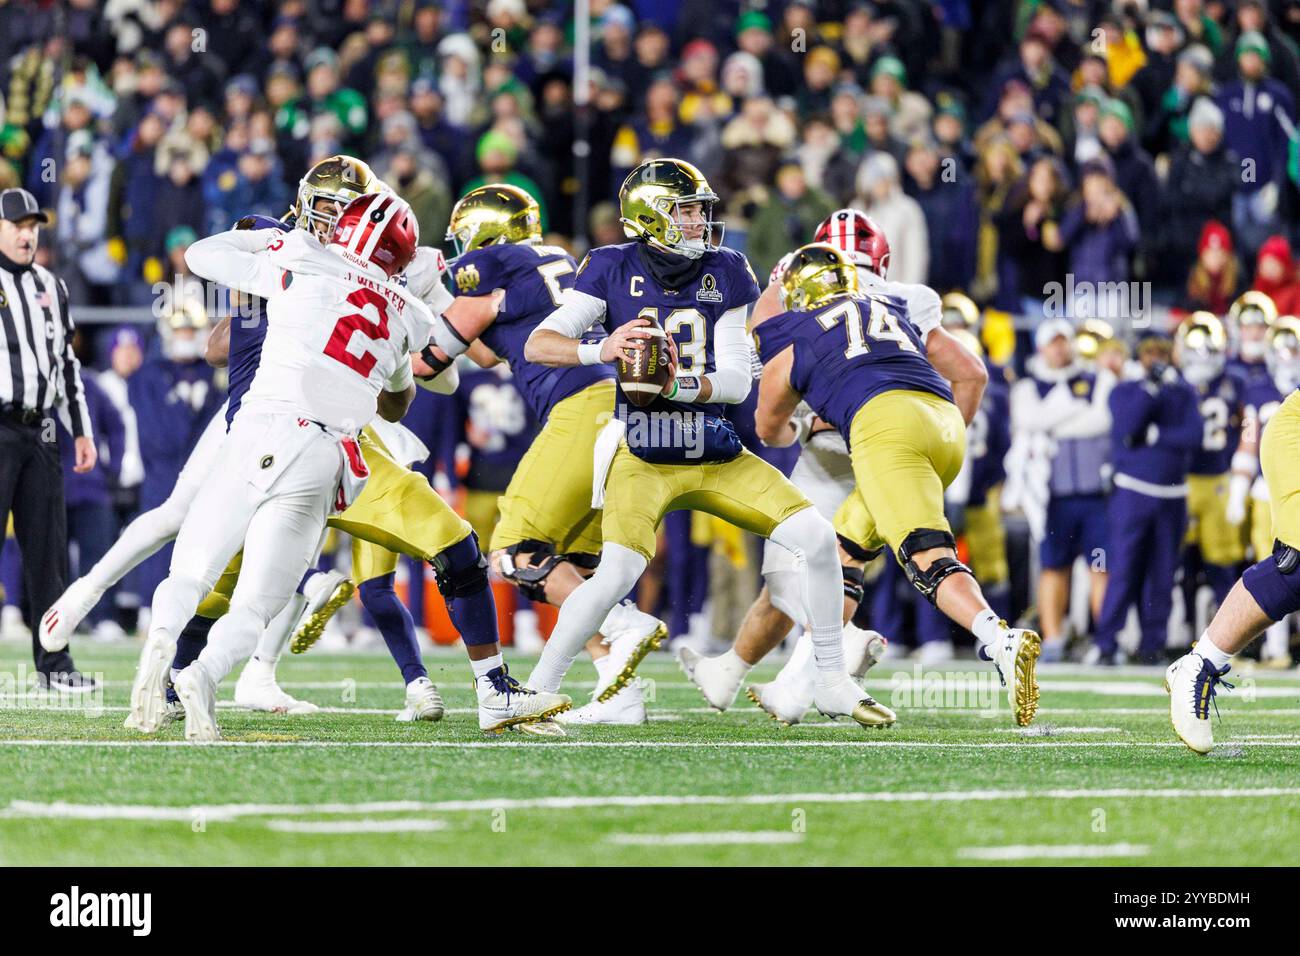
x=849, y=351
x=618, y=276
x=534, y=278
x=1222, y=403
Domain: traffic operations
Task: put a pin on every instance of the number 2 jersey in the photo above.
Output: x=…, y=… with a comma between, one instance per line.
x=1222, y=406
x=335, y=336
x=849, y=351
x=533, y=279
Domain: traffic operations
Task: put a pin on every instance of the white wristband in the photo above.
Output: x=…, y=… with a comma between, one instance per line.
x=589, y=353
x=686, y=388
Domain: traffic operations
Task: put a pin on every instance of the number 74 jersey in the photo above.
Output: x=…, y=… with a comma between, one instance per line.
x=849, y=351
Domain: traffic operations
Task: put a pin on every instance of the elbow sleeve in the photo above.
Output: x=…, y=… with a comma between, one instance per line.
x=730, y=386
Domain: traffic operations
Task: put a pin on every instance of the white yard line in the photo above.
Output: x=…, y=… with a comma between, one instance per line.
x=631, y=744
x=356, y=826
x=1075, y=851
x=720, y=837
x=225, y=812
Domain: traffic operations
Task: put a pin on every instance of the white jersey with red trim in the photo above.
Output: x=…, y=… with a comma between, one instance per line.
x=924, y=308
x=337, y=332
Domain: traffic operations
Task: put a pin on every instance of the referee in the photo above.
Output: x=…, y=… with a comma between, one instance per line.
x=38, y=372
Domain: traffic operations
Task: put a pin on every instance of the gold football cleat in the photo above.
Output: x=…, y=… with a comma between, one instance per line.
x=869, y=712
x=648, y=643
x=314, y=627
x=1026, y=678
x=530, y=723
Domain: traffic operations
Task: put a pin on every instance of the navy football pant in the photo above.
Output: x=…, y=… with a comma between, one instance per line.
x=1146, y=535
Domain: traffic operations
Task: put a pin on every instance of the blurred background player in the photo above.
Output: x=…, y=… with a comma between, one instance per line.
x=1155, y=430
x=1060, y=423
x=1215, y=543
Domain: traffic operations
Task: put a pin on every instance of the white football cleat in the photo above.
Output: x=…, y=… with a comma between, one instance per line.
x=257, y=689
x=63, y=616
x=198, y=694
x=505, y=704
x=844, y=698
x=718, y=678
x=325, y=593
x=1192, y=682
x=781, y=701
x=628, y=648
x=1015, y=655
x=863, y=650
x=423, y=702
x=149, y=689
x=626, y=707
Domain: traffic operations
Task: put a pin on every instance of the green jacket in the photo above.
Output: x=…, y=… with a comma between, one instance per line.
x=781, y=225
x=347, y=104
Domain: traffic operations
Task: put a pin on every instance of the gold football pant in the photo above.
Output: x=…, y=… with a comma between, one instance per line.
x=906, y=448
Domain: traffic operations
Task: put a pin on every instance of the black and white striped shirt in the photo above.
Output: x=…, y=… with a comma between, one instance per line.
x=38, y=370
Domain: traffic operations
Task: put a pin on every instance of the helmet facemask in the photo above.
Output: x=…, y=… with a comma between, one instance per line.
x=690, y=228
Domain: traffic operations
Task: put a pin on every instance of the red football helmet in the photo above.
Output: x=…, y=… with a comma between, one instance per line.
x=857, y=234
x=378, y=229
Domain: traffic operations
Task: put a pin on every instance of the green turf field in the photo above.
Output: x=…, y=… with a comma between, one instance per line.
x=1098, y=779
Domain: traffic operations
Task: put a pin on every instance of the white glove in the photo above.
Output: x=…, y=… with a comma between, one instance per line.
x=425, y=272
x=1238, y=492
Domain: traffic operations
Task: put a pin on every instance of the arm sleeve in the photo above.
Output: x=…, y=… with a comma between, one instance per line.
x=578, y=312
x=924, y=309
x=732, y=378
x=233, y=259
x=401, y=379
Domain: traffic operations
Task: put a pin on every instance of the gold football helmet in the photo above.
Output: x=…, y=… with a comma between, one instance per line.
x=338, y=180
x=1284, y=352
x=494, y=213
x=1253, y=308
x=815, y=274
x=652, y=202
x=1090, y=337
x=969, y=339
x=1201, y=347
x=959, y=312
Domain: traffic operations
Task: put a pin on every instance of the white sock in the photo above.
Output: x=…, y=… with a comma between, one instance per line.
x=734, y=662
x=583, y=612
x=986, y=627
x=811, y=538
x=603, y=665
x=800, y=668
x=314, y=582
x=1211, y=652
x=481, y=668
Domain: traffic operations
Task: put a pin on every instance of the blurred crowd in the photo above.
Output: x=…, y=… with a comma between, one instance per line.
x=1010, y=149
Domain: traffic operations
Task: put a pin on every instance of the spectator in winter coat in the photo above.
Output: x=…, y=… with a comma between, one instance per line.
x=880, y=194
x=1275, y=275
x=952, y=219
x=1100, y=230
x=1216, y=276
x=1202, y=180
x=1135, y=173
x=790, y=215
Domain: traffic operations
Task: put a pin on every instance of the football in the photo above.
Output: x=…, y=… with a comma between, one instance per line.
x=644, y=378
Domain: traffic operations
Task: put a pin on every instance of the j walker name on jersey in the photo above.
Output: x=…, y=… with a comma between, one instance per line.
x=74, y=908
x=394, y=298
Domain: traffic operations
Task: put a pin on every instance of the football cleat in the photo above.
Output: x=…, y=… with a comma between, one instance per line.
x=332, y=592
x=149, y=690
x=718, y=678
x=198, y=695
x=257, y=689
x=423, y=702
x=627, y=649
x=58, y=623
x=1192, y=683
x=504, y=703
x=846, y=699
x=1015, y=655
x=863, y=650
x=780, y=701
x=626, y=707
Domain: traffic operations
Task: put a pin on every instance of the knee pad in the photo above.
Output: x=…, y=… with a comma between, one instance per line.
x=1274, y=583
x=529, y=578
x=928, y=581
x=854, y=583
x=461, y=570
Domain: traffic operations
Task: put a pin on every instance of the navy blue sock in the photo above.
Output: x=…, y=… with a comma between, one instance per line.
x=193, y=638
x=464, y=584
x=395, y=624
